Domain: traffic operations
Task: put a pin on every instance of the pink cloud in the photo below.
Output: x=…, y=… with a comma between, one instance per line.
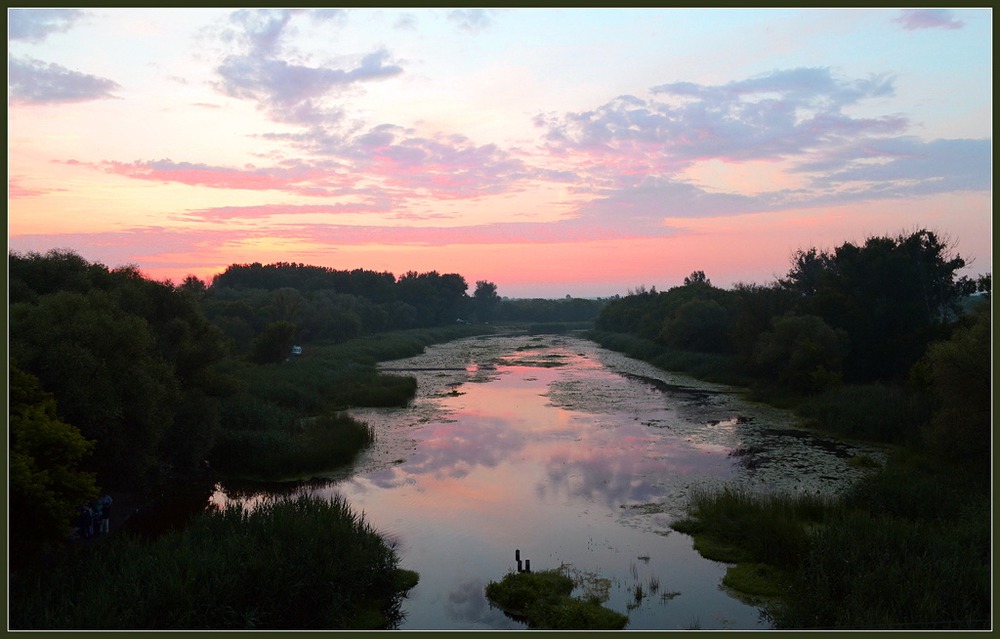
x=15, y=189
x=229, y=213
x=299, y=179
x=913, y=19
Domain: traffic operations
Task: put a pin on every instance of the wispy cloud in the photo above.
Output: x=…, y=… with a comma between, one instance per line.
x=270, y=211
x=17, y=189
x=299, y=178
x=913, y=19
x=36, y=82
x=471, y=20
x=386, y=157
x=35, y=25
x=782, y=114
x=289, y=90
x=909, y=166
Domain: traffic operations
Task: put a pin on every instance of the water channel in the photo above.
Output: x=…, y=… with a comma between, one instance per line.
x=577, y=457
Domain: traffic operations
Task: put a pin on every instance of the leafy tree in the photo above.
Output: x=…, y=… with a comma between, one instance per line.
x=960, y=380
x=802, y=352
x=697, y=278
x=275, y=343
x=893, y=296
x=124, y=356
x=698, y=325
x=485, y=300
x=754, y=308
x=101, y=365
x=46, y=484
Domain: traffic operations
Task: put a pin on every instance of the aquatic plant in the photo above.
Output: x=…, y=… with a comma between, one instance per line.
x=543, y=601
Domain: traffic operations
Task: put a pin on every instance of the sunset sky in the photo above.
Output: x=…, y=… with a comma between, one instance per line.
x=551, y=151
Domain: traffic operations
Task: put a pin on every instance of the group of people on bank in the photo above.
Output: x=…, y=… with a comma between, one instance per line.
x=94, y=518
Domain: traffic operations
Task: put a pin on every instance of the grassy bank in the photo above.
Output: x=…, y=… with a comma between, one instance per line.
x=287, y=420
x=906, y=548
x=302, y=564
x=707, y=366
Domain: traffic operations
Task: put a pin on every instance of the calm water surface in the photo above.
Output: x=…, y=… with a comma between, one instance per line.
x=579, y=458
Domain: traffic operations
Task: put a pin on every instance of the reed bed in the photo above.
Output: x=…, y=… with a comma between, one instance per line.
x=306, y=563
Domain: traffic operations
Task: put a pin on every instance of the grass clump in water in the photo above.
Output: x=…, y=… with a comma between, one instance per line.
x=543, y=601
x=736, y=525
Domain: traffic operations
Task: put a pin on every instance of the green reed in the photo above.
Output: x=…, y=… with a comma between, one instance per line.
x=306, y=563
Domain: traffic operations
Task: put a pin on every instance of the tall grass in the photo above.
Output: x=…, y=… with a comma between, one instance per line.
x=875, y=412
x=903, y=549
x=304, y=447
x=742, y=526
x=285, y=422
x=882, y=572
x=288, y=564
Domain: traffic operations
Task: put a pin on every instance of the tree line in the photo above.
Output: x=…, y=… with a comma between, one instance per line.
x=875, y=314
x=120, y=382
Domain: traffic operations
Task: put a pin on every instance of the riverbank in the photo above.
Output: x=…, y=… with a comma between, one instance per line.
x=907, y=546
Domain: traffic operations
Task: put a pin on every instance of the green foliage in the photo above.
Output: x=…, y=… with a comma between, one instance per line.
x=565, y=310
x=131, y=362
x=296, y=564
x=756, y=580
x=284, y=422
x=878, y=412
x=906, y=548
x=875, y=571
x=892, y=296
x=46, y=486
x=698, y=325
x=802, y=353
x=485, y=300
x=543, y=601
x=307, y=447
x=961, y=381
x=771, y=529
x=274, y=344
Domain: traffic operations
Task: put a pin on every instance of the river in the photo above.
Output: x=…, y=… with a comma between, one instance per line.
x=576, y=457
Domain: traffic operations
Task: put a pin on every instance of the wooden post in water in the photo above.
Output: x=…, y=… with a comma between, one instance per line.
x=527, y=565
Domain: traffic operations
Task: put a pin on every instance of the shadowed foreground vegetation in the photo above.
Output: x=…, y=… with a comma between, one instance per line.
x=302, y=564
x=881, y=342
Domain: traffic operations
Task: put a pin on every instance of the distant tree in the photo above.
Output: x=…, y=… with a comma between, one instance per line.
x=275, y=343
x=697, y=278
x=46, y=484
x=485, y=300
x=193, y=285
